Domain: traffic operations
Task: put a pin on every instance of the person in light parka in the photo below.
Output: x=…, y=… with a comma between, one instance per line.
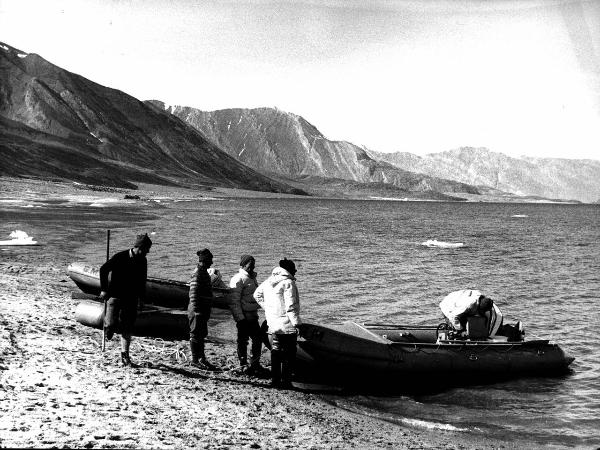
x=278, y=296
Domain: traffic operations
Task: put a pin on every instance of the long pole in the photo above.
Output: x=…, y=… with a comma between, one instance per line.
x=105, y=300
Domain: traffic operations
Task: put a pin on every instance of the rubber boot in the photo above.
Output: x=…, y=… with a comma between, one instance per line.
x=276, y=357
x=125, y=342
x=126, y=360
x=255, y=351
x=287, y=371
x=109, y=333
x=198, y=358
x=255, y=368
x=242, y=352
x=195, y=352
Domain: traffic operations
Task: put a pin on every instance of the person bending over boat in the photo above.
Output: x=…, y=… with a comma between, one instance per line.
x=458, y=306
x=199, y=309
x=278, y=296
x=125, y=291
x=244, y=309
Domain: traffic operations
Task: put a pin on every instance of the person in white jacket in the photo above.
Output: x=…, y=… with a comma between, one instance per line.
x=278, y=296
x=459, y=305
x=245, y=313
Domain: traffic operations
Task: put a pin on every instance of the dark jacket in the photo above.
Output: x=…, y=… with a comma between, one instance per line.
x=127, y=276
x=200, y=291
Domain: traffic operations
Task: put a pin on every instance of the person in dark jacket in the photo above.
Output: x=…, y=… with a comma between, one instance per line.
x=199, y=309
x=124, y=291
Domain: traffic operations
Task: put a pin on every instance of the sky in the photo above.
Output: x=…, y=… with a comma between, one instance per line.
x=520, y=77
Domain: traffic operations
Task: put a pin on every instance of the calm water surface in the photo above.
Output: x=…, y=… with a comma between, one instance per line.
x=364, y=261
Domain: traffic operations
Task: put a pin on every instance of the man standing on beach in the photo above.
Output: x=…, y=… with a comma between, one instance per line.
x=245, y=313
x=199, y=309
x=278, y=296
x=125, y=292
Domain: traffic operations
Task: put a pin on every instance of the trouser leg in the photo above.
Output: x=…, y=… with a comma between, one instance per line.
x=242, y=342
x=125, y=343
x=276, y=358
x=111, y=317
x=256, y=349
x=289, y=359
x=198, y=331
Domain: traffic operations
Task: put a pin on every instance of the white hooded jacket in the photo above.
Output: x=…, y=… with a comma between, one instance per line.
x=278, y=296
x=458, y=305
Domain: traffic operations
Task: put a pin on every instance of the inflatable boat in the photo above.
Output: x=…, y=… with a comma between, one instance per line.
x=154, y=322
x=393, y=352
x=159, y=291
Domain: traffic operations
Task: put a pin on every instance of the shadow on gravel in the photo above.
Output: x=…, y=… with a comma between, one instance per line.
x=206, y=375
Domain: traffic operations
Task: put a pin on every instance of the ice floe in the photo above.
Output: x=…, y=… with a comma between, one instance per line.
x=19, y=237
x=442, y=244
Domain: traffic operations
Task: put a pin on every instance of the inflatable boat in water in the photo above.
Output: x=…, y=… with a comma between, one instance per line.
x=159, y=291
x=391, y=352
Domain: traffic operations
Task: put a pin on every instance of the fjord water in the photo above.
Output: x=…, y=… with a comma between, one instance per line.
x=364, y=261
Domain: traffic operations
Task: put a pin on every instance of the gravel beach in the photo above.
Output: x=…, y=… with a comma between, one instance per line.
x=58, y=390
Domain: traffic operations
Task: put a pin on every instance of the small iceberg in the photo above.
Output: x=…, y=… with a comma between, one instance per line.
x=19, y=238
x=519, y=215
x=442, y=244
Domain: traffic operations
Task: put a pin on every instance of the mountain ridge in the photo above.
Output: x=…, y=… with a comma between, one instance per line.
x=111, y=128
x=271, y=140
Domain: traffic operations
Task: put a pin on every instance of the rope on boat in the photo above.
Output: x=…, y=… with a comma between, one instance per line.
x=455, y=348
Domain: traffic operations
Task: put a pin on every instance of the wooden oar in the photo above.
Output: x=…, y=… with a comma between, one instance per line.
x=155, y=309
x=105, y=300
x=390, y=326
x=149, y=308
x=84, y=296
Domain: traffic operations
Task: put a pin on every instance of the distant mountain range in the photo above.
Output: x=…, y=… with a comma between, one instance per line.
x=554, y=178
x=57, y=124
x=282, y=143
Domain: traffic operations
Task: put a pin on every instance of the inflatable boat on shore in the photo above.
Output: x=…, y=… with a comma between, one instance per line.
x=152, y=321
x=390, y=353
x=159, y=291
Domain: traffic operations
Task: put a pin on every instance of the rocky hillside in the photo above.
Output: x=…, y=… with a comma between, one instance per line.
x=270, y=140
x=544, y=177
x=59, y=124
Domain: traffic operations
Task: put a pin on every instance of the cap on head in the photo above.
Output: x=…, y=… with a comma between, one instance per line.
x=204, y=255
x=288, y=265
x=245, y=259
x=485, y=303
x=142, y=240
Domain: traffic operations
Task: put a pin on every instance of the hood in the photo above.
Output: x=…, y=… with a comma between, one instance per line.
x=279, y=274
